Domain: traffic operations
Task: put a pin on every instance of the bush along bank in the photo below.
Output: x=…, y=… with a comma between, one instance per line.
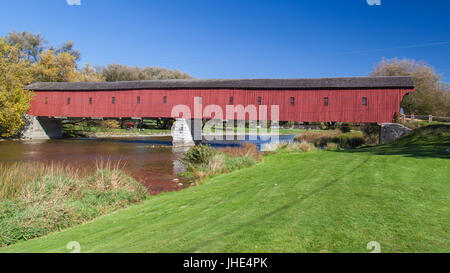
x=39, y=198
x=203, y=161
x=336, y=139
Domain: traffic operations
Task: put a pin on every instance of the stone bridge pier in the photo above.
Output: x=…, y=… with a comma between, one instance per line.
x=392, y=131
x=186, y=132
x=41, y=128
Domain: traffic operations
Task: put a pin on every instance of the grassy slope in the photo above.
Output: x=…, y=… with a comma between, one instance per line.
x=292, y=202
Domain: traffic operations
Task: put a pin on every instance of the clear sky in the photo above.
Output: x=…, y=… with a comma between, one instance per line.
x=243, y=38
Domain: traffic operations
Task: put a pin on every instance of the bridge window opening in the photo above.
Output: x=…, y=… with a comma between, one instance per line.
x=259, y=100
x=90, y=100
x=113, y=100
x=200, y=100
x=231, y=101
x=68, y=100
x=46, y=100
x=138, y=100
x=292, y=101
x=364, y=101
x=325, y=101
x=165, y=99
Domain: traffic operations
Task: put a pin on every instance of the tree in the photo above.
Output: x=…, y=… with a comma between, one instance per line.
x=55, y=67
x=68, y=47
x=62, y=67
x=14, y=101
x=89, y=74
x=30, y=44
x=117, y=72
x=429, y=97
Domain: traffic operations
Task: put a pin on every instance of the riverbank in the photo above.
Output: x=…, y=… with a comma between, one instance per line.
x=151, y=161
x=320, y=201
x=41, y=198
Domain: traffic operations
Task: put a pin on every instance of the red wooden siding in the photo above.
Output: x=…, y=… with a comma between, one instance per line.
x=343, y=105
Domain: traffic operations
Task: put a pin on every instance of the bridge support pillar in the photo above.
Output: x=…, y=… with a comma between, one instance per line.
x=391, y=131
x=41, y=128
x=196, y=129
x=181, y=134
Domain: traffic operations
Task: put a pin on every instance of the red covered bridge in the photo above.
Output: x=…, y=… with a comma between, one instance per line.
x=356, y=99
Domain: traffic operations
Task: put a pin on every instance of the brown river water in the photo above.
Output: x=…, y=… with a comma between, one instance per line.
x=151, y=161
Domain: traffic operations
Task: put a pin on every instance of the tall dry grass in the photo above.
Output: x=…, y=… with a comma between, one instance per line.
x=246, y=150
x=313, y=136
x=353, y=139
x=15, y=176
x=303, y=146
x=38, y=198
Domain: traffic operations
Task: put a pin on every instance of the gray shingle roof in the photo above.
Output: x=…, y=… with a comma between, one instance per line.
x=268, y=84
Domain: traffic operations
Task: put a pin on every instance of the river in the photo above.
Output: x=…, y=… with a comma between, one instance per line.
x=152, y=161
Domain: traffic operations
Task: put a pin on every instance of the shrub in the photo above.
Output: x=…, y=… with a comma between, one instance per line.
x=270, y=147
x=412, y=124
x=246, y=150
x=352, y=141
x=321, y=139
x=397, y=117
x=199, y=154
x=313, y=136
x=217, y=163
x=305, y=146
x=371, y=133
x=331, y=147
x=345, y=128
x=203, y=161
x=110, y=124
x=236, y=163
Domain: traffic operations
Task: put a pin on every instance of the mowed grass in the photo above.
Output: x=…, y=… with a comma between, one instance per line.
x=322, y=201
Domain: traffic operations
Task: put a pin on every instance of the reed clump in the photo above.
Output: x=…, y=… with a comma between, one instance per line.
x=352, y=139
x=39, y=198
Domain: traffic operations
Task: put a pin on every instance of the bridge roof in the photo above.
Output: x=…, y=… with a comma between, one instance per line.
x=266, y=84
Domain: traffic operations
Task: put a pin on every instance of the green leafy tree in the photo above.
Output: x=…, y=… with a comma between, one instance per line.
x=429, y=97
x=14, y=101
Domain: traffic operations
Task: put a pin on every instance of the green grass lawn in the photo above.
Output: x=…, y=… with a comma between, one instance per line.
x=334, y=201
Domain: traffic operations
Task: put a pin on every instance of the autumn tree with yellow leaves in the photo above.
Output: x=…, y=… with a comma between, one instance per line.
x=62, y=67
x=23, y=60
x=15, y=71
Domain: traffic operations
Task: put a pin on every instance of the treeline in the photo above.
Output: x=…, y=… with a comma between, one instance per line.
x=117, y=72
x=26, y=58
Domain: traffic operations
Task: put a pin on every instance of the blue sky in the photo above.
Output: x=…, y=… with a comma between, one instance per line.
x=244, y=38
